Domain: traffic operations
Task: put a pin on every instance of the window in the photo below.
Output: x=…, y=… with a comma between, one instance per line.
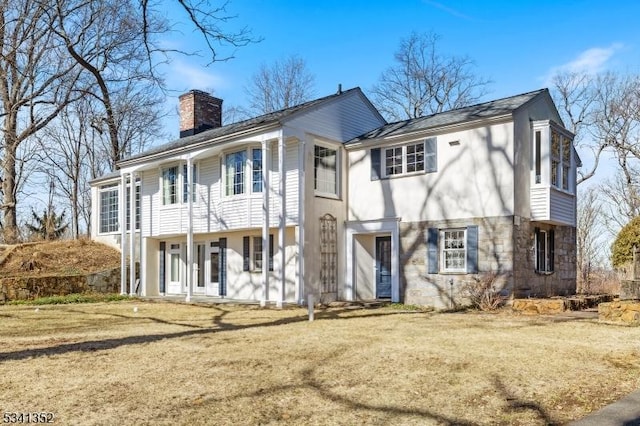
x=393, y=161
x=257, y=253
x=128, y=212
x=325, y=170
x=560, y=160
x=544, y=240
x=170, y=185
x=109, y=208
x=538, y=154
x=454, y=250
x=185, y=183
x=256, y=170
x=406, y=159
x=252, y=253
x=235, y=164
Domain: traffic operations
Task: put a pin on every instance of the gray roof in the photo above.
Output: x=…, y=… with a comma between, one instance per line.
x=489, y=109
x=230, y=129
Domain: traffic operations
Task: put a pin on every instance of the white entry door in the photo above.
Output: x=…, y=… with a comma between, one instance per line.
x=199, y=272
x=213, y=275
x=174, y=263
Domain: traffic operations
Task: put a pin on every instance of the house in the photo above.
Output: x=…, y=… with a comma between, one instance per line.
x=327, y=199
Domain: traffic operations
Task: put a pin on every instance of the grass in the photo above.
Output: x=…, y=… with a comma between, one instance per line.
x=163, y=363
x=72, y=298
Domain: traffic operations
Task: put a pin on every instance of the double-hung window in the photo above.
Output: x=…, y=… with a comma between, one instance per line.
x=560, y=160
x=252, y=253
x=410, y=159
x=137, y=201
x=454, y=250
x=185, y=183
x=544, y=240
x=325, y=171
x=256, y=170
x=170, y=185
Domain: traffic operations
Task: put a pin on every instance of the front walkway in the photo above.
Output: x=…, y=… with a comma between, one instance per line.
x=625, y=412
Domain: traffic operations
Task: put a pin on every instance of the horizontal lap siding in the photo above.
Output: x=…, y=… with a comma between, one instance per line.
x=540, y=203
x=149, y=203
x=562, y=207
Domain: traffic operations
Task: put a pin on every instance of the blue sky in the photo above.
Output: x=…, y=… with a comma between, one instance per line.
x=516, y=44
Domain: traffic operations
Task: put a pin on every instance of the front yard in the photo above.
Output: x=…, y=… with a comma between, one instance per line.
x=165, y=363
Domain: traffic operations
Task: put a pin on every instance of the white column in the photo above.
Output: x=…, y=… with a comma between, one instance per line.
x=301, y=212
x=132, y=234
x=189, y=177
x=122, y=213
x=265, y=222
x=283, y=218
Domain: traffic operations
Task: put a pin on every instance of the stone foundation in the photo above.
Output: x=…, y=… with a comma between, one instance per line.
x=505, y=249
x=625, y=312
x=27, y=288
x=630, y=290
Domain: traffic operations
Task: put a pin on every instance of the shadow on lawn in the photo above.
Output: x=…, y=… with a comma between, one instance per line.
x=218, y=321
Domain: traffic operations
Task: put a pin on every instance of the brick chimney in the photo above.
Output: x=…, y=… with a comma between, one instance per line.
x=199, y=111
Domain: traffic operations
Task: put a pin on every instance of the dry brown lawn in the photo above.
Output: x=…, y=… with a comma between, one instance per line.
x=185, y=364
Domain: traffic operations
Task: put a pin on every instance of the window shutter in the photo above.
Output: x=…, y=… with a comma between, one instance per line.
x=430, y=155
x=162, y=268
x=271, y=252
x=472, y=249
x=222, y=266
x=552, y=239
x=432, y=250
x=536, y=243
x=375, y=164
x=246, y=258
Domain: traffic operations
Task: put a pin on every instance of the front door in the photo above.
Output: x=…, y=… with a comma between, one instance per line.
x=199, y=272
x=213, y=278
x=174, y=262
x=383, y=267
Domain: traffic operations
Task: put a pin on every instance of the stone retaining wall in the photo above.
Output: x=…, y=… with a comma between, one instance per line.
x=625, y=312
x=26, y=288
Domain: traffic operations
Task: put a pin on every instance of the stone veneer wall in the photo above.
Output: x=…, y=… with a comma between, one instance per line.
x=495, y=253
x=25, y=288
x=505, y=247
x=529, y=283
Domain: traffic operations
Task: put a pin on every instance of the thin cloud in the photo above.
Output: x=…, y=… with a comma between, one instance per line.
x=591, y=61
x=449, y=10
x=189, y=77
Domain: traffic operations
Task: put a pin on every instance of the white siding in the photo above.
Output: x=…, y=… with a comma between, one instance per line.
x=340, y=121
x=562, y=207
x=540, y=203
x=150, y=202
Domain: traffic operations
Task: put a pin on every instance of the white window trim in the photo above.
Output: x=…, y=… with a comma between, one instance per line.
x=317, y=193
x=403, y=173
x=116, y=187
x=248, y=173
x=441, y=249
x=180, y=181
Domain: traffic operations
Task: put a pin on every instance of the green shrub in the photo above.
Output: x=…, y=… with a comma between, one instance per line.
x=622, y=248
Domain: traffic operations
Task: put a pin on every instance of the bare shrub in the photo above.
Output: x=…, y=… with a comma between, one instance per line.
x=483, y=293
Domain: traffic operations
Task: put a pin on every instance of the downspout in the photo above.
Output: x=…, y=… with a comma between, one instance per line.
x=283, y=217
x=265, y=222
x=132, y=234
x=189, y=178
x=123, y=233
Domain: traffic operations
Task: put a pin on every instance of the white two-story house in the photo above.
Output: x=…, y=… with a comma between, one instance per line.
x=327, y=199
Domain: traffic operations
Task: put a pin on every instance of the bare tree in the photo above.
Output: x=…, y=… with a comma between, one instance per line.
x=576, y=94
x=589, y=231
x=425, y=81
x=36, y=83
x=281, y=85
